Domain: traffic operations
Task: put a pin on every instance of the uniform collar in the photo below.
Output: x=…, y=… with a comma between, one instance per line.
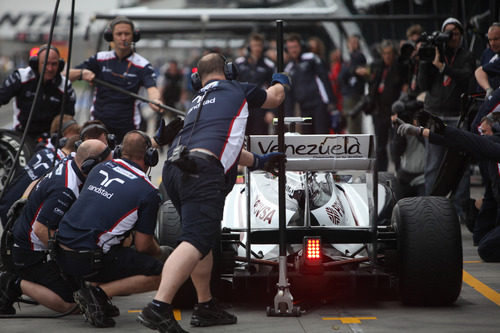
x=125, y=57
x=77, y=171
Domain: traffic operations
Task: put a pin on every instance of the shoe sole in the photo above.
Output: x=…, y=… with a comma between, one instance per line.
x=83, y=306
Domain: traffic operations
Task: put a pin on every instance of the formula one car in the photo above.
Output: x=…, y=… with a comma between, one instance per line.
x=341, y=223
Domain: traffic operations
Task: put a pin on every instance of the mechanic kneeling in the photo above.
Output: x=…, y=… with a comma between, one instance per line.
x=37, y=274
x=117, y=199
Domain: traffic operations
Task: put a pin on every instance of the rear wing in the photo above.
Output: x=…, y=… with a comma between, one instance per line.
x=320, y=152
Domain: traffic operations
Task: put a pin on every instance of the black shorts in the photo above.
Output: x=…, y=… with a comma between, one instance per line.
x=44, y=273
x=118, y=263
x=199, y=199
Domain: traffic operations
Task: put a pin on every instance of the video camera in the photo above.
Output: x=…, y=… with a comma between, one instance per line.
x=437, y=39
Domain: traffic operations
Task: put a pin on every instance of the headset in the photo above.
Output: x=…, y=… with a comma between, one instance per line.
x=111, y=138
x=230, y=70
x=33, y=61
x=62, y=140
x=151, y=156
x=91, y=162
x=108, y=32
x=303, y=45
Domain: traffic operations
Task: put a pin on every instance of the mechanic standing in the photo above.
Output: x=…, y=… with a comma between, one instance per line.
x=199, y=172
x=40, y=163
x=444, y=79
x=123, y=68
x=256, y=68
x=37, y=275
x=311, y=88
x=22, y=84
x=116, y=200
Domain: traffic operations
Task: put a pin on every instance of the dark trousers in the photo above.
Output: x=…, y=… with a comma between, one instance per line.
x=382, y=125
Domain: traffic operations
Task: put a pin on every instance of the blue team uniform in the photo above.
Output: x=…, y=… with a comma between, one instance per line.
x=119, y=112
x=259, y=72
x=48, y=202
x=116, y=199
x=312, y=90
x=36, y=167
x=220, y=129
x=22, y=84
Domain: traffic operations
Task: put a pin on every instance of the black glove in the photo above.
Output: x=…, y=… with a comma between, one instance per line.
x=166, y=134
x=267, y=162
x=282, y=78
x=432, y=122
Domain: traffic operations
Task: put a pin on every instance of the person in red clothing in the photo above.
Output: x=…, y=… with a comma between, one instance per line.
x=333, y=75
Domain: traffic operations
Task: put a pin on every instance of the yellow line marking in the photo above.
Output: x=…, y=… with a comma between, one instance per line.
x=483, y=289
x=177, y=313
x=350, y=320
x=472, y=261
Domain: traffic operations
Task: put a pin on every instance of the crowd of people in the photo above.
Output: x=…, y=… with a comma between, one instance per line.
x=90, y=210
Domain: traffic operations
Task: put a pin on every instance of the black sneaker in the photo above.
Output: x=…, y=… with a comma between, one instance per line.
x=211, y=313
x=9, y=293
x=109, y=309
x=164, y=322
x=92, y=309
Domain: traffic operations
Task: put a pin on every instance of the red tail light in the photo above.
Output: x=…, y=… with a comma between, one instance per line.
x=312, y=248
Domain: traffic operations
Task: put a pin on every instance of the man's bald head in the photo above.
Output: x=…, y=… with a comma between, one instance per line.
x=91, y=148
x=134, y=146
x=212, y=63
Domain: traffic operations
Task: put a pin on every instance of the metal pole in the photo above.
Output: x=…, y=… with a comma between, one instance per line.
x=126, y=92
x=281, y=144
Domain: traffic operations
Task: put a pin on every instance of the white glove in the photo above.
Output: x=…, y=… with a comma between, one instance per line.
x=409, y=129
x=489, y=91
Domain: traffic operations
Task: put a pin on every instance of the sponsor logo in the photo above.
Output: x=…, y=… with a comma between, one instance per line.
x=345, y=146
x=263, y=212
x=101, y=191
x=335, y=212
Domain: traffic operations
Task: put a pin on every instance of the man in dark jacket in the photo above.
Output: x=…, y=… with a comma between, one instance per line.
x=311, y=88
x=258, y=69
x=352, y=85
x=445, y=79
x=22, y=84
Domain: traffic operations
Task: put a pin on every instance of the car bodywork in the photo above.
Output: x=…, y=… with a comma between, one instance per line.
x=333, y=197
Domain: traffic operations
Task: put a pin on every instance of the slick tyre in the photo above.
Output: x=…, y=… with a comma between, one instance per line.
x=10, y=142
x=429, y=251
x=168, y=228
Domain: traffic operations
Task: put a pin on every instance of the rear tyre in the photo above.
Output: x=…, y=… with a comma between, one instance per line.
x=10, y=142
x=168, y=228
x=429, y=251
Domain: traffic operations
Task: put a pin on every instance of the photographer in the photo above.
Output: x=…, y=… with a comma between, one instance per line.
x=444, y=74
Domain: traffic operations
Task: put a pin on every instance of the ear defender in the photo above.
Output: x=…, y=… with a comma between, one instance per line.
x=91, y=162
x=34, y=60
x=108, y=31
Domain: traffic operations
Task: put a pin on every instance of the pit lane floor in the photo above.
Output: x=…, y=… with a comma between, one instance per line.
x=477, y=309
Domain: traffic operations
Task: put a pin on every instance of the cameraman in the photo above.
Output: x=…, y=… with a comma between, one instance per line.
x=445, y=78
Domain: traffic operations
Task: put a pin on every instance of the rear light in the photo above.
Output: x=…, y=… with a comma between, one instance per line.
x=312, y=249
x=311, y=261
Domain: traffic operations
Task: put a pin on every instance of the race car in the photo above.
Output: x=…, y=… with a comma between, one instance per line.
x=341, y=223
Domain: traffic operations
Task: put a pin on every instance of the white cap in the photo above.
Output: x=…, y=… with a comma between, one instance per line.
x=454, y=21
